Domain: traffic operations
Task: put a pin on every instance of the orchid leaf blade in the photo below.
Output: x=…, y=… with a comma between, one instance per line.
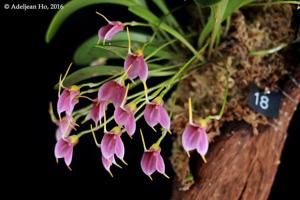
x=91, y=72
x=147, y=15
x=89, y=51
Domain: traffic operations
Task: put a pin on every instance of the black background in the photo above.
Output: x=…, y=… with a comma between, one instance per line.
x=30, y=69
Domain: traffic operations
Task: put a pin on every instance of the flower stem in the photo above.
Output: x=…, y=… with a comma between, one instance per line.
x=218, y=117
x=190, y=111
x=51, y=113
x=143, y=140
x=125, y=97
x=104, y=124
x=160, y=48
x=63, y=79
x=134, y=23
x=129, y=40
x=267, y=51
x=94, y=136
x=171, y=81
x=146, y=91
x=161, y=138
x=91, y=85
x=108, y=121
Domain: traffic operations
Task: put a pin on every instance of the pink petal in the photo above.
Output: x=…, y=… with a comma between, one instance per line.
x=105, y=91
x=107, y=163
x=103, y=31
x=151, y=114
x=58, y=134
x=131, y=62
x=68, y=156
x=148, y=163
x=118, y=95
x=125, y=117
x=119, y=148
x=112, y=91
x=102, y=108
x=203, y=142
x=130, y=125
x=190, y=137
x=72, y=101
x=164, y=118
x=160, y=164
x=142, y=68
x=107, y=145
x=128, y=61
x=63, y=101
x=117, y=27
x=120, y=116
x=65, y=126
x=97, y=111
x=94, y=114
x=61, y=147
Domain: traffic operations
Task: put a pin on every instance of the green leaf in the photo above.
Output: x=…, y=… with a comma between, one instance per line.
x=88, y=52
x=91, y=72
x=161, y=73
x=218, y=11
x=207, y=2
x=232, y=6
x=153, y=66
x=75, y=5
x=104, y=70
x=147, y=15
x=168, y=15
x=117, y=48
x=207, y=29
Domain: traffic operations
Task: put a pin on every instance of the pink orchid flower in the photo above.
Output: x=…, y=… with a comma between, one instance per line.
x=152, y=161
x=112, y=91
x=155, y=113
x=68, y=99
x=109, y=161
x=112, y=144
x=125, y=117
x=108, y=31
x=64, y=128
x=195, y=137
x=64, y=148
x=135, y=66
x=98, y=110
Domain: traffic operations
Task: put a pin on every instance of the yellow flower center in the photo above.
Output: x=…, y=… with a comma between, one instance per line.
x=131, y=106
x=75, y=88
x=158, y=100
x=202, y=122
x=73, y=139
x=139, y=52
x=117, y=130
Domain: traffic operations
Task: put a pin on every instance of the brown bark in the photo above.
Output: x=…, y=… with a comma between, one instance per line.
x=241, y=165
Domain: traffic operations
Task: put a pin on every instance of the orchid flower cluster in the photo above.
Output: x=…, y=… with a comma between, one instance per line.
x=128, y=109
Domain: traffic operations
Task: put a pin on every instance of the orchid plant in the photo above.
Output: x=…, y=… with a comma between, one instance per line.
x=166, y=53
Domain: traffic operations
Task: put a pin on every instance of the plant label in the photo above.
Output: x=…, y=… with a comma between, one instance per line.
x=264, y=102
